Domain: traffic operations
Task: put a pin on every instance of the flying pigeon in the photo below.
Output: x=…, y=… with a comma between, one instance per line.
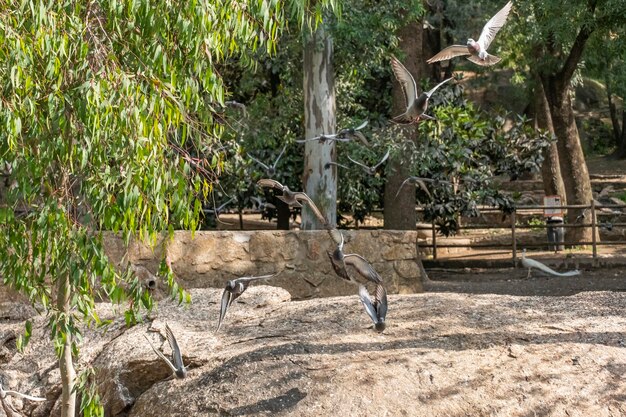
x=341, y=261
x=292, y=198
x=344, y=135
x=234, y=288
x=218, y=210
x=531, y=263
x=415, y=106
x=270, y=170
x=422, y=183
x=376, y=309
x=371, y=170
x=4, y=393
x=477, y=51
x=177, y=367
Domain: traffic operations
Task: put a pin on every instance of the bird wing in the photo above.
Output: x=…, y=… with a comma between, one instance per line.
x=336, y=236
x=493, y=26
x=416, y=180
x=364, y=295
x=279, y=156
x=162, y=356
x=247, y=280
x=226, y=300
x=176, y=354
x=363, y=267
x=258, y=162
x=266, y=182
x=359, y=163
x=487, y=62
x=432, y=90
x=449, y=53
x=405, y=79
x=337, y=164
x=300, y=196
x=361, y=126
x=382, y=161
x=380, y=302
x=19, y=394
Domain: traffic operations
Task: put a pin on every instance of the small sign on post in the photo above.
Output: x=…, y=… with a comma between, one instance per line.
x=552, y=206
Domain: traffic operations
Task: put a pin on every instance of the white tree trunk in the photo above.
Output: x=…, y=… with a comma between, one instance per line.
x=320, y=183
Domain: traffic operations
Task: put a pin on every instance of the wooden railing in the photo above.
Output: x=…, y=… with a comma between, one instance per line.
x=514, y=227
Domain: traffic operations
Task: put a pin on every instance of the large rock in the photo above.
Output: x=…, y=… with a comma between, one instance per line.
x=442, y=354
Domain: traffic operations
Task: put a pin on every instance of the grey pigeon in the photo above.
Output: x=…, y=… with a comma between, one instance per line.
x=234, y=288
x=340, y=261
x=415, y=106
x=477, y=51
x=344, y=135
x=422, y=183
x=371, y=170
x=376, y=309
x=270, y=170
x=177, y=367
x=292, y=198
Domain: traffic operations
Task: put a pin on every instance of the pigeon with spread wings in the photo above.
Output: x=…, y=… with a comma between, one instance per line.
x=422, y=183
x=376, y=309
x=477, y=51
x=270, y=170
x=415, y=105
x=344, y=135
x=178, y=368
x=340, y=262
x=4, y=393
x=234, y=288
x=292, y=198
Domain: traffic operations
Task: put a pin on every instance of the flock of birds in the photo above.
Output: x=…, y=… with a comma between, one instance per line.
x=353, y=268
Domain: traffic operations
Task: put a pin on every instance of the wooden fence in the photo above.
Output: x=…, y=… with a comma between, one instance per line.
x=514, y=227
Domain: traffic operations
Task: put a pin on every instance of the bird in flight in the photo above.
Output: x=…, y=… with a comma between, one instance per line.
x=4, y=393
x=415, y=105
x=234, y=288
x=340, y=262
x=377, y=308
x=178, y=368
x=344, y=135
x=422, y=183
x=477, y=51
x=270, y=170
x=371, y=170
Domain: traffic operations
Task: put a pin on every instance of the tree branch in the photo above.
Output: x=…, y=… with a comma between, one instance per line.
x=578, y=47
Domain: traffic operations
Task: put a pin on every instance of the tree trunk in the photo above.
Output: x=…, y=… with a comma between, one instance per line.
x=66, y=366
x=571, y=157
x=550, y=170
x=320, y=183
x=399, y=211
x=621, y=147
x=617, y=133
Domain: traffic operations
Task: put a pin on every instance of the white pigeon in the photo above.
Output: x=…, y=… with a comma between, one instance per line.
x=477, y=51
x=4, y=393
x=531, y=263
x=415, y=105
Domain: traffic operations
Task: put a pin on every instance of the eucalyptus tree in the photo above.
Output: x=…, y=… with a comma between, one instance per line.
x=109, y=122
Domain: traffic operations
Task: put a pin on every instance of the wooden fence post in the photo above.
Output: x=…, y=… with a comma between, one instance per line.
x=514, y=241
x=434, y=241
x=594, y=247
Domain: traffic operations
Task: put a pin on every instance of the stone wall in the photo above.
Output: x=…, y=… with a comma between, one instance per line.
x=210, y=258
